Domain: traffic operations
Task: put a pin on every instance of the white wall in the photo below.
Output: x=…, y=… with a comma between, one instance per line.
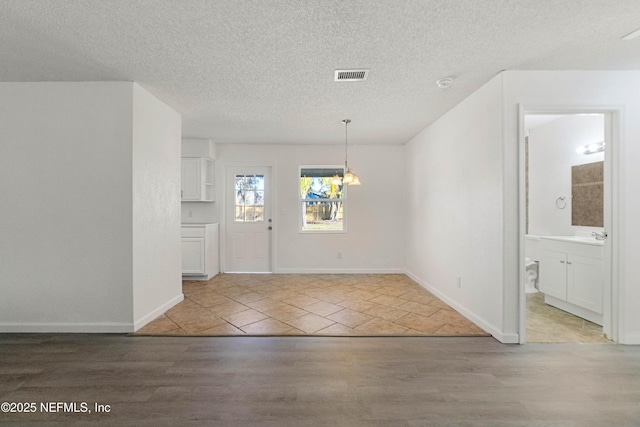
x=552, y=153
x=454, y=208
x=66, y=258
x=157, y=267
x=459, y=227
x=375, y=210
x=89, y=172
x=616, y=90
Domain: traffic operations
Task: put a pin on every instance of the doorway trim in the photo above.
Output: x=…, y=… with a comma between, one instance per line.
x=612, y=295
x=222, y=195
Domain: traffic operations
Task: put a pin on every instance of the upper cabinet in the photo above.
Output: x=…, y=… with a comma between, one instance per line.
x=198, y=183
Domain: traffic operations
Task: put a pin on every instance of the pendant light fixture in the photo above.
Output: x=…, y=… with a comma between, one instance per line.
x=350, y=177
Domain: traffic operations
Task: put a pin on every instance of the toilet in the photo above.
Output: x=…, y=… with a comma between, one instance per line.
x=531, y=263
x=530, y=276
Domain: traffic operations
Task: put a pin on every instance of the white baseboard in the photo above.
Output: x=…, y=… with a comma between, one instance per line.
x=87, y=327
x=157, y=312
x=629, y=339
x=80, y=327
x=339, y=271
x=495, y=332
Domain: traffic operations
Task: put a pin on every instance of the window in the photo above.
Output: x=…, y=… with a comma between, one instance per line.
x=249, y=198
x=322, y=201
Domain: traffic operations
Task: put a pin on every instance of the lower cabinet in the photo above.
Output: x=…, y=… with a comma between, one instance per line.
x=572, y=277
x=200, y=251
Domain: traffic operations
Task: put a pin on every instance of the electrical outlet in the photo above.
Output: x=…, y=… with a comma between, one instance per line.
x=339, y=255
x=459, y=281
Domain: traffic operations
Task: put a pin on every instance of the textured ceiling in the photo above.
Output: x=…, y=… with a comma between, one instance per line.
x=262, y=71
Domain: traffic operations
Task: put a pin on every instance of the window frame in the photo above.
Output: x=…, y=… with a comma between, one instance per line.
x=301, y=200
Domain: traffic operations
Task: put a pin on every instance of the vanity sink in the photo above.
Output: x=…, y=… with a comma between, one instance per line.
x=576, y=239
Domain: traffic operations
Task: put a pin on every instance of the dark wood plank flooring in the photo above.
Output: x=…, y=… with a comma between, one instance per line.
x=318, y=381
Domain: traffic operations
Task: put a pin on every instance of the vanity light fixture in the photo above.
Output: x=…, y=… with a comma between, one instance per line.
x=596, y=147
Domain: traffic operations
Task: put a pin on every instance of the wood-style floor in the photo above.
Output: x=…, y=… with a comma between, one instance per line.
x=318, y=381
x=310, y=304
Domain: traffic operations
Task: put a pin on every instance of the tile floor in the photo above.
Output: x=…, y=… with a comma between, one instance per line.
x=546, y=323
x=291, y=304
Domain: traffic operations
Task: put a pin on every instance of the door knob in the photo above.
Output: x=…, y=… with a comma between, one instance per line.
x=270, y=228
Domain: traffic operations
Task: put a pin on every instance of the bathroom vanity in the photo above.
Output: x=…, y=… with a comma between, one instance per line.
x=572, y=275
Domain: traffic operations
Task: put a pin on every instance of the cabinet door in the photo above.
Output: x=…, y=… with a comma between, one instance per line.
x=584, y=282
x=191, y=179
x=553, y=273
x=193, y=255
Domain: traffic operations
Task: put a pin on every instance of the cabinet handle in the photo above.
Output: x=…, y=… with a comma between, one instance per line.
x=568, y=262
x=562, y=262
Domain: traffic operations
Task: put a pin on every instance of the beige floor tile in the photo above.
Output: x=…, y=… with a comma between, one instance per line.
x=283, y=294
x=293, y=332
x=421, y=309
x=357, y=305
x=447, y=315
x=419, y=323
x=334, y=297
x=383, y=312
x=453, y=329
x=362, y=294
x=323, y=308
x=266, y=326
x=438, y=303
x=234, y=290
x=310, y=323
x=198, y=322
x=183, y=305
x=337, y=329
x=208, y=298
x=265, y=304
x=227, y=308
x=388, y=301
x=294, y=304
x=222, y=329
x=160, y=325
x=380, y=327
x=424, y=297
x=248, y=297
x=245, y=317
x=300, y=301
x=189, y=314
x=546, y=323
x=394, y=291
x=349, y=317
x=285, y=312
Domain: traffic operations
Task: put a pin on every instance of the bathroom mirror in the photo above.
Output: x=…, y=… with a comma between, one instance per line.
x=587, y=190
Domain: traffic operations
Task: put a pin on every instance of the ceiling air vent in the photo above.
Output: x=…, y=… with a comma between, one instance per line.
x=351, y=75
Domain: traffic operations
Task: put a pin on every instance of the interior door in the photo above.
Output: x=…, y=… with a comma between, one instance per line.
x=248, y=222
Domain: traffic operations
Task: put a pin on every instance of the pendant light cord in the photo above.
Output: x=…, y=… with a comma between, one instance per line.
x=346, y=142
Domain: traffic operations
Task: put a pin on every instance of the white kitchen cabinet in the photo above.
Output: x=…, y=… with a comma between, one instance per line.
x=200, y=254
x=198, y=179
x=571, y=275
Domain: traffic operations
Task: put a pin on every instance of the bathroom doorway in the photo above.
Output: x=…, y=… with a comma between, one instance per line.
x=566, y=187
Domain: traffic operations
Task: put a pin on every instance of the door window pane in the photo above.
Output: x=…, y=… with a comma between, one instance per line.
x=249, y=198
